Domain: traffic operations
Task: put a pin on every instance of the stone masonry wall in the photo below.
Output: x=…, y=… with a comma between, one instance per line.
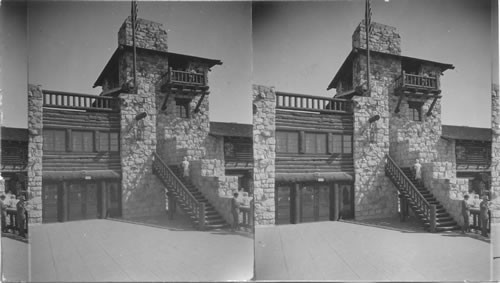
x=375, y=195
x=142, y=192
x=495, y=153
x=35, y=152
x=382, y=38
x=149, y=35
x=264, y=152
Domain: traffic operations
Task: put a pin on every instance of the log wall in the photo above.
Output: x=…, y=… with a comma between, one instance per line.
x=314, y=123
x=79, y=120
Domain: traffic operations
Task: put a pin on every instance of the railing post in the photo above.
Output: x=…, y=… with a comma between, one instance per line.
x=403, y=78
x=201, y=216
x=432, y=218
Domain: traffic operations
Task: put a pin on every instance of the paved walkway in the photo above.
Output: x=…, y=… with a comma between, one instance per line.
x=353, y=251
x=110, y=250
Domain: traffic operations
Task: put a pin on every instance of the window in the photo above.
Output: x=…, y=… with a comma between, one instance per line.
x=287, y=142
x=108, y=141
x=340, y=144
x=336, y=143
x=54, y=140
x=83, y=141
x=415, y=111
x=182, y=107
x=347, y=144
x=315, y=143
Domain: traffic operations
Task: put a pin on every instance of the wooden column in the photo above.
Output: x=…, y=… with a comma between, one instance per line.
x=64, y=201
x=297, y=211
x=336, y=202
x=104, y=200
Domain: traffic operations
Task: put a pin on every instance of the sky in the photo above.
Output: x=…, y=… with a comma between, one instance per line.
x=294, y=46
x=69, y=43
x=299, y=46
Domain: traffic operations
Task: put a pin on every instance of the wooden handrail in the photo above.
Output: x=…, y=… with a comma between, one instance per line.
x=404, y=184
x=67, y=100
x=312, y=103
x=177, y=187
x=178, y=76
x=418, y=81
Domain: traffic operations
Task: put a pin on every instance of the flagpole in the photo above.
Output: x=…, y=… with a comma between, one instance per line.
x=134, y=19
x=367, y=32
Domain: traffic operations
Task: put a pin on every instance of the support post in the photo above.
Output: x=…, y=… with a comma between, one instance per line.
x=432, y=219
x=64, y=202
x=336, y=202
x=171, y=205
x=297, y=204
x=201, y=216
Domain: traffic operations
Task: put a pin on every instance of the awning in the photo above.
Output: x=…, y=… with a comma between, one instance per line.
x=81, y=175
x=239, y=165
x=303, y=177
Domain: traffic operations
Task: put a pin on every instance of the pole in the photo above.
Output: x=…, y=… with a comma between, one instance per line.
x=367, y=32
x=134, y=25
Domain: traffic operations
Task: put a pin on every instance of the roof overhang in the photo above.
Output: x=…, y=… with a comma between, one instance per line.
x=466, y=133
x=113, y=61
x=355, y=51
x=323, y=176
x=81, y=175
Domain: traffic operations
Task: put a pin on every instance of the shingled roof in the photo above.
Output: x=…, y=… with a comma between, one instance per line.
x=466, y=133
x=231, y=129
x=14, y=134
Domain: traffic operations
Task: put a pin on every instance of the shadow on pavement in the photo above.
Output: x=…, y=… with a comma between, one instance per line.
x=15, y=237
x=409, y=226
x=468, y=235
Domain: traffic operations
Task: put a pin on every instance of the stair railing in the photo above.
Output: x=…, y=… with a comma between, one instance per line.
x=176, y=186
x=407, y=187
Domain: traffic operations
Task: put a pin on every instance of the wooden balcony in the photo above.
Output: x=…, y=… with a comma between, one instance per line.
x=184, y=80
x=76, y=101
x=417, y=84
x=320, y=104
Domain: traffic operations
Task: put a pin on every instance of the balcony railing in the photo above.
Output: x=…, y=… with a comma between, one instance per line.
x=422, y=82
x=58, y=99
x=312, y=103
x=184, y=77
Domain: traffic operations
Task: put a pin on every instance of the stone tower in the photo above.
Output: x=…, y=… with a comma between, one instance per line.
x=374, y=193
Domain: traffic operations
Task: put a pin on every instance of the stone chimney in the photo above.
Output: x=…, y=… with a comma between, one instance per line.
x=149, y=35
x=382, y=38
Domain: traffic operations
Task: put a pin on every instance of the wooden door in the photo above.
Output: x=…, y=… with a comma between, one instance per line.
x=50, y=202
x=346, y=201
x=283, y=204
x=114, y=199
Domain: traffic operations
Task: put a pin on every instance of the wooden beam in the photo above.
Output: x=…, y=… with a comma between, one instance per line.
x=197, y=109
x=165, y=102
x=429, y=112
x=399, y=103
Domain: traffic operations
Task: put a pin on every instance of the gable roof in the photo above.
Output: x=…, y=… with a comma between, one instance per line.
x=466, y=133
x=231, y=129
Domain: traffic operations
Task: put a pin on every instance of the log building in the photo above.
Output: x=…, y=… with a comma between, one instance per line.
x=118, y=154
x=350, y=156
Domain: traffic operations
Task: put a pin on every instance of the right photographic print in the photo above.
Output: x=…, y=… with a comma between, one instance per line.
x=376, y=131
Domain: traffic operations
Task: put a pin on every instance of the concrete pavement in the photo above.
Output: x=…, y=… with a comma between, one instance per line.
x=109, y=250
x=362, y=251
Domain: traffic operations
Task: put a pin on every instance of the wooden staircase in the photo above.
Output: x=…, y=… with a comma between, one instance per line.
x=189, y=198
x=426, y=207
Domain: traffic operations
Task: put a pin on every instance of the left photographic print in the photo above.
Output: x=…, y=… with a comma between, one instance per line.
x=110, y=147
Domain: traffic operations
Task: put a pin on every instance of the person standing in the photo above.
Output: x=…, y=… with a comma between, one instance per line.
x=484, y=207
x=235, y=210
x=418, y=172
x=21, y=211
x=185, y=167
x=465, y=214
